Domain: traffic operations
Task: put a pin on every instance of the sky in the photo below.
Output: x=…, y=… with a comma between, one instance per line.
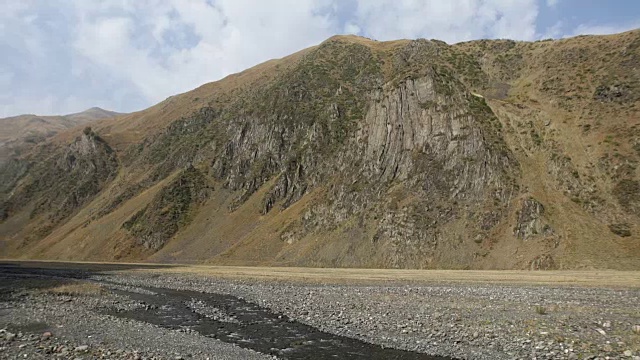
x=65, y=56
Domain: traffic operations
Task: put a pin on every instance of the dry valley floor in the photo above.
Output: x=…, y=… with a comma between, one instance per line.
x=82, y=310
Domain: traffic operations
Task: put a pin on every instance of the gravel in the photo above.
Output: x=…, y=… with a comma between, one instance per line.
x=458, y=320
x=73, y=327
x=463, y=321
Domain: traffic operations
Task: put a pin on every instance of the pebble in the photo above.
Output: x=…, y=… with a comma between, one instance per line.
x=82, y=348
x=464, y=321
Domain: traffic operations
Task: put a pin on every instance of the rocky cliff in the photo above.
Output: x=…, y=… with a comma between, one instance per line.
x=60, y=181
x=19, y=134
x=488, y=154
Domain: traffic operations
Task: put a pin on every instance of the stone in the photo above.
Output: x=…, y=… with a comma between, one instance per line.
x=530, y=222
x=82, y=348
x=622, y=230
x=46, y=335
x=610, y=92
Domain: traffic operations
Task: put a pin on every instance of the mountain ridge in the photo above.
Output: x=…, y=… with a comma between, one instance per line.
x=17, y=132
x=354, y=152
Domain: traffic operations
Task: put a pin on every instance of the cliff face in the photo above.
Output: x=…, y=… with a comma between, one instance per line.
x=20, y=134
x=352, y=153
x=59, y=182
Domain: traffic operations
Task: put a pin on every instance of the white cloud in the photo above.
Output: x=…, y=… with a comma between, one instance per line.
x=43, y=105
x=5, y=79
x=228, y=37
x=552, y=3
x=561, y=29
x=351, y=28
x=452, y=21
x=554, y=32
x=128, y=54
x=606, y=29
x=232, y=35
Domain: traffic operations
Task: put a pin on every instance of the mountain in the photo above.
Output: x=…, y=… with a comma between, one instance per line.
x=402, y=154
x=18, y=134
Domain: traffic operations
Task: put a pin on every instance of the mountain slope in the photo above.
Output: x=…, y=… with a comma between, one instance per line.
x=18, y=134
x=487, y=154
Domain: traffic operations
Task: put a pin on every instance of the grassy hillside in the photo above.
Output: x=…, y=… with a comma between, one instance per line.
x=358, y=153
x=19, y=134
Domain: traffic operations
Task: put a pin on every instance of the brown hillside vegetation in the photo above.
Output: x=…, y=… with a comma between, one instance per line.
x=19, y=134
x=490, y=154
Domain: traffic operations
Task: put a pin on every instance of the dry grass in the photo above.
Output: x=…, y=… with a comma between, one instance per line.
x=243, y=237
x=603, y=279
x=582, y=278
x=77, y=289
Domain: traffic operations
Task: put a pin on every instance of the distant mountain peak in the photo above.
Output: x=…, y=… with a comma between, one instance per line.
x=20, y=133
x=95, y=112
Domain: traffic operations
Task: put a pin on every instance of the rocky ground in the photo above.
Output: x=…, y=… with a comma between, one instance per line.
x=38, y=324
x=462, y=321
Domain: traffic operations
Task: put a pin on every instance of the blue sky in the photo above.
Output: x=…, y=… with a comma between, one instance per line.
x=65, y=56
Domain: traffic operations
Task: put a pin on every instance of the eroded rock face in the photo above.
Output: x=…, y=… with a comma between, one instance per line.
x=10, y=172
x=435, y=146
x=530, y=220
x=415, y=132
x=627, y=192
x=414, y=143
x=63, y=179
x=622, y=229
x=412, y=159
x=615, y=93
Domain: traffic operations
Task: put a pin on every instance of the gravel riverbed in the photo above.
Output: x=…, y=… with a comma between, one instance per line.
x=457, y=320
x=43, y=326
